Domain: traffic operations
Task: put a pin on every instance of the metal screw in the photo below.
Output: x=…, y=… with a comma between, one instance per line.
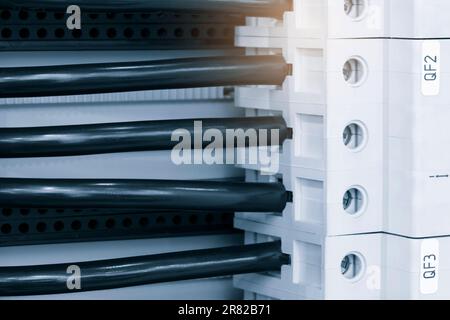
x=348, y=6
x=348, y=199
x=347, y=71
x=347, y=135
x=345, y=264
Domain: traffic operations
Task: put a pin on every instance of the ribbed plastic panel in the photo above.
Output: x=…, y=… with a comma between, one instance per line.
x=218, y=93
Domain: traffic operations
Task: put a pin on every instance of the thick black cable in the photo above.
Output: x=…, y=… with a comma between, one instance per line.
x=142, y=194
x=136, y=136
x=145, y=75
x=259, y=8
x=134, y=271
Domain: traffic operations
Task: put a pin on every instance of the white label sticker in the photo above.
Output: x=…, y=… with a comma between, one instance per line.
x=431, y=67
x=429, y=266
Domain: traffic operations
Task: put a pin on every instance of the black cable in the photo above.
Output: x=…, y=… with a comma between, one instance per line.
x=133, y=136
x=134, y=271
x=142, y=194
x=259, y=8
x=137, y=76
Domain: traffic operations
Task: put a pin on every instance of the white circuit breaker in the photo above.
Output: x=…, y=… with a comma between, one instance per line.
x=367, y=166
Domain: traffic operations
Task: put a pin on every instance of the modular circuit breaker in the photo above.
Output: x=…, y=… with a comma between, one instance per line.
x=367, y=165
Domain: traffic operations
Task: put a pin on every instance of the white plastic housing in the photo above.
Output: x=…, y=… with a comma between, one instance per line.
x=369, y=112
x=381, y=266
x=418, y=19
x=396, y=162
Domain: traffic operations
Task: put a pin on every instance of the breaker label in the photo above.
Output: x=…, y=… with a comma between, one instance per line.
x=429, y=266
x=431, y=68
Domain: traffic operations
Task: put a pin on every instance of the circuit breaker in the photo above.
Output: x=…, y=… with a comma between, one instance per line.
x=366, y=166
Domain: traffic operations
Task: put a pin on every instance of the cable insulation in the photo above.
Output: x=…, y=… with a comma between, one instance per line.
x=134, y=271
x=145, y=75
x=142, y=194
x=89, y=139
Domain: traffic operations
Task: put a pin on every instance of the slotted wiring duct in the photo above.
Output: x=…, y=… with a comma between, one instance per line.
x=42, y=226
